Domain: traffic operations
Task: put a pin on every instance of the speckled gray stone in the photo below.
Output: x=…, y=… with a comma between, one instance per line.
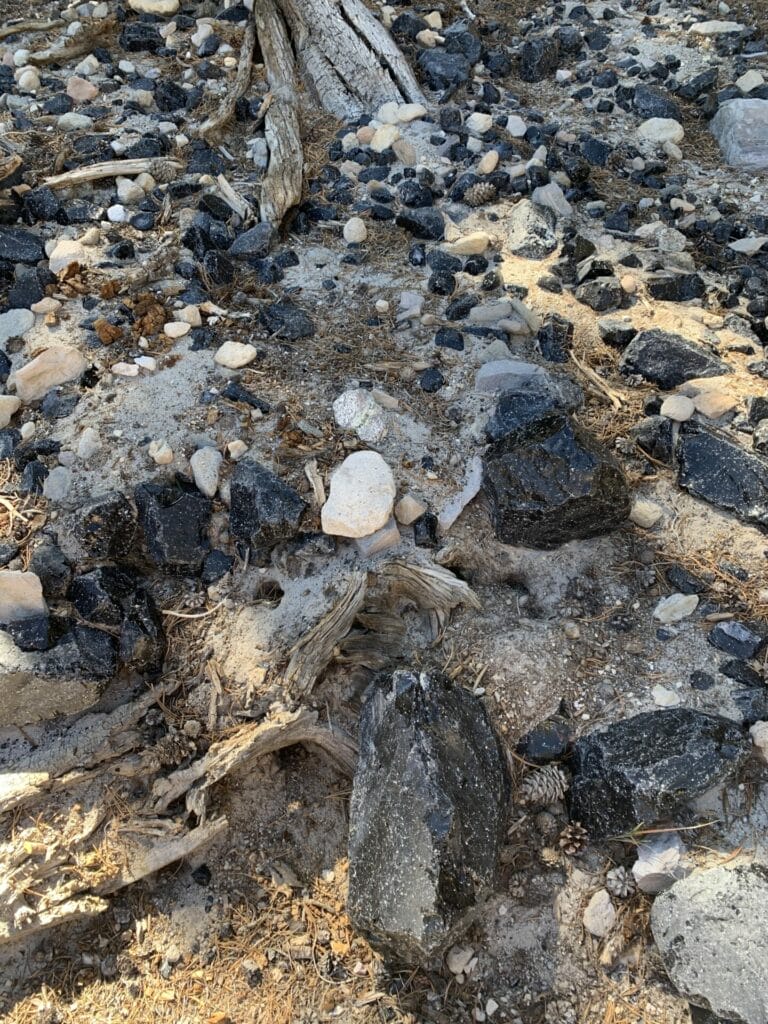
x=712, y=932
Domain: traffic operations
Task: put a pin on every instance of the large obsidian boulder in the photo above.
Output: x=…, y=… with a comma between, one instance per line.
x=551, y=482
x=427, y=815
x=644, y=768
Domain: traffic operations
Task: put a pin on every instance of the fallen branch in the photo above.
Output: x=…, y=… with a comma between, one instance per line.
x=234, y=200
x=213, y=125
x=246, y=746
x=160, y=169
x=282, y=183
x=82, y=43
x=28, y=26
x=91, y=741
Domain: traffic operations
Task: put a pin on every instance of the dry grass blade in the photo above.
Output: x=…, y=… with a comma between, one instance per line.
x=28, y=26
x=82, y=43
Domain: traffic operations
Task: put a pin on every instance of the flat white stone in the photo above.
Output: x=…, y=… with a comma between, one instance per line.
x=358, y=410
x=500, y=374
x=741, y=129
x=714, y=28
x=15, y=324
x=206, y=467
x=408, y=112
x=74, y=122
x=678, y=408
x=66, y=251
x=176, y=329
x=659, y=863
x=355, y=230
x=21, y=596
x=161, y=7
x=361, y=496
x=599, y=915
x=749, y=246
x=516, y=126
x=750, y=80
x=553, y=197
x=675, y=607
x=478, y=123
x=49, y=368
x=57, y=484
x=234, y=355
x=661, y=129
x=759, y=735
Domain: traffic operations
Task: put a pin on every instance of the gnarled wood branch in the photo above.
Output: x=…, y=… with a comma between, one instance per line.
x=282, y=183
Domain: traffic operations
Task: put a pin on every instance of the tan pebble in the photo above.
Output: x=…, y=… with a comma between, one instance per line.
x=628, y=284
x=428, y=38
x=81, y=90
x=365, y=134
x=236, y=449
x=189, y=315
x=176, y=329
x=161, y=453
x=409, y=509
x=488, y=162
x=404, y=152
x=714, y=404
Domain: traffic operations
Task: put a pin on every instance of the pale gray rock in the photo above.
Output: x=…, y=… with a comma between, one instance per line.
x=712, y=933
x=741, y=130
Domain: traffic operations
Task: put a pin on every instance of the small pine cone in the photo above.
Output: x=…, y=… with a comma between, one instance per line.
x=573, y=839
x=550, y=855
x=544, y=785
x=620, y=883
x=173, y=748
x=482, y=192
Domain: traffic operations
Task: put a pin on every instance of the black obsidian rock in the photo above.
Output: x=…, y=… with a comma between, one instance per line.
x=552, y=482
x=263, y=509
x=723, y=473
x=427, y=815
x=643, y=768
x=668, y=360
x=174, y=517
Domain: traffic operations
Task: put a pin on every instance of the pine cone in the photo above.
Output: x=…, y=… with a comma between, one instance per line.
x=620, y=883
x=573, y=839
x=544, y=785
x=482, y=192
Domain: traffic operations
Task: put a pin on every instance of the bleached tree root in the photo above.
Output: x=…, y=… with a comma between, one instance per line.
x=282, y=184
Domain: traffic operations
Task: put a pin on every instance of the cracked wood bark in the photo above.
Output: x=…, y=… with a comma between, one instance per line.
x=246, y=746
x=89, y=742
x=282, y=183
x=348, y=58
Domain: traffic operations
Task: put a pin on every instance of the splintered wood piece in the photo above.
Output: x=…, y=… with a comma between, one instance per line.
x=431, y=586
x=312, y=654
x=158, y=167
x=17, y=27
x=90, y=742
x=249, y=743
x=213, y=125
x=282, y=184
